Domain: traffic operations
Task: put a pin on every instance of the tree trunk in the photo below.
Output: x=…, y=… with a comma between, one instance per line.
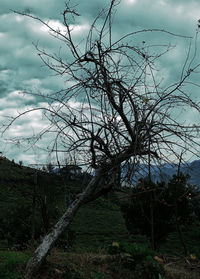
x=41, y=252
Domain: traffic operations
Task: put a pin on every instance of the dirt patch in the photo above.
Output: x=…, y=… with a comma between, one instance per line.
x=182, y=268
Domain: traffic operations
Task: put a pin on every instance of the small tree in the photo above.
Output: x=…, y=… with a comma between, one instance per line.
x=114, y=108
x=49, y=168
x=171, y=208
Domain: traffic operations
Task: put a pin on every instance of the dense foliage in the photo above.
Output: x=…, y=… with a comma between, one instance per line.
x=30, y=202
x=137, y=257
x=157, y=209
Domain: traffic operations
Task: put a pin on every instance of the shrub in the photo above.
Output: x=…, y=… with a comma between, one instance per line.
x=156, y=209
x=137, y=257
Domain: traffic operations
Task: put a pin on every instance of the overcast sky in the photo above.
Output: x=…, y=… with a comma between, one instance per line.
x=21, y=69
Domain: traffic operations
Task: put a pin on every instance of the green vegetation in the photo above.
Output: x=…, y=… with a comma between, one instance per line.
x=137, y=257
x=191, y=236
x=155, y=210
x=30, y=202
x=97, y=224
x=100, y=243
x=12, y=264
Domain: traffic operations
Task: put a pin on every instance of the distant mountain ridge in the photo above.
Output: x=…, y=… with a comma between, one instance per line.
x=164, y=172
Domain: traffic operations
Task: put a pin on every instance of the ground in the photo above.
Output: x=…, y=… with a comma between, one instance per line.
x=103, y=266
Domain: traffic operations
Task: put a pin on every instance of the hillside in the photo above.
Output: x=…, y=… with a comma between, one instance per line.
x=32, y=201
x=96, y=224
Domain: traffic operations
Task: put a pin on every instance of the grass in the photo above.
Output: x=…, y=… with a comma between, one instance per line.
x=90, y=265
x=98, y=224
x=12, y=264
x=62, y=265
x=191, y=236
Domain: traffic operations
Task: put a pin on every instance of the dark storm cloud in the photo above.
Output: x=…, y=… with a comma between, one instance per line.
x=44, y=8
x=21, y=69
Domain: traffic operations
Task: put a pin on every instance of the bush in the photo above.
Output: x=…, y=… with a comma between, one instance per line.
x=137, y=257
x=156, y=209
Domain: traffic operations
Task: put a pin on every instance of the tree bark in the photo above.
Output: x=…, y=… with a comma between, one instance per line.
x=41, y=252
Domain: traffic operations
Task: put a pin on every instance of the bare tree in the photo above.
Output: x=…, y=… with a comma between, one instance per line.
x=114, y=109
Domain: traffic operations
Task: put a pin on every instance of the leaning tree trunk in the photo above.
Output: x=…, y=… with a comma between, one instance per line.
x=48, y=241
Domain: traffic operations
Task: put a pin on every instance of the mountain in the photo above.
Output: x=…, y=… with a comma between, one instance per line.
x=160, y=173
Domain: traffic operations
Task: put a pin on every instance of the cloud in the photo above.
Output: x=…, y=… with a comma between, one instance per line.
x=21, y=69
x=45, y=8
x=20, y=136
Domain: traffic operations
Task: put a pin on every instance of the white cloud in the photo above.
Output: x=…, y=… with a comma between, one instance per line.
x=131, y=1
x=76, y=30
x=20, y=96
